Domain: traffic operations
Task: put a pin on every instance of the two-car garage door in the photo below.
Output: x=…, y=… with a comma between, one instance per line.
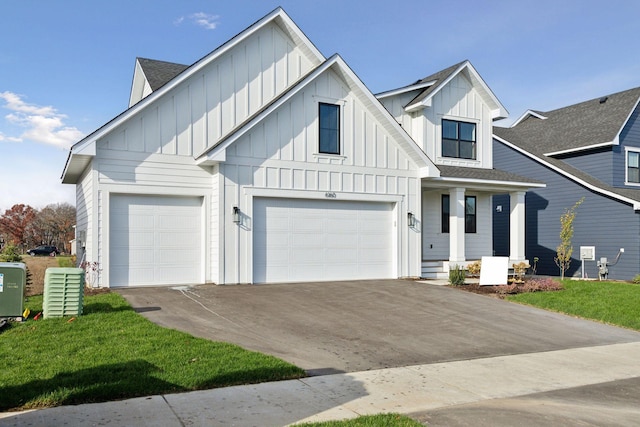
x=155, y=240
x=309, y=240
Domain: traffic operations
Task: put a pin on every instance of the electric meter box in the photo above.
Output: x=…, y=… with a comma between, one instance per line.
x=13, y=280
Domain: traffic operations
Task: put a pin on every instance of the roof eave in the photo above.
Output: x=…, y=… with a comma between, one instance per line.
x=595, y=188
x=585, y=148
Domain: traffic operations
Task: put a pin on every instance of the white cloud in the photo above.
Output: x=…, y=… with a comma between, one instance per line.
x=204, y=20
x=42, y=124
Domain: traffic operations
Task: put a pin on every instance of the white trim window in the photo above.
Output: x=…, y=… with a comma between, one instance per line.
x=459, y=139
x=632, y=167
x=329, y=128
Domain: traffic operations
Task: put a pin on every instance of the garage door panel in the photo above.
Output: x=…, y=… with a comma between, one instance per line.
x=301, y=240
x=155, y=240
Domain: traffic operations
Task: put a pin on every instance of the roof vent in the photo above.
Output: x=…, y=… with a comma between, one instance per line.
x=603, y=99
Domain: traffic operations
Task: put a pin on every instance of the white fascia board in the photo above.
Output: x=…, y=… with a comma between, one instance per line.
x=527, y=114
x=491, y=183
x=585, y=148
x=427, y=167
x=634, y=203
x=211, y=153
x=199, y=65
x=405, y=89
x=409, y=145
x=616, y=140
x=499, y=112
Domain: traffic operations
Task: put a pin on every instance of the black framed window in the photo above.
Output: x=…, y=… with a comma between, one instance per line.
x=445, y=213
x=458, y=139
x=470, y=214
x=633, y=166
x=470, y=222
x=329, y=131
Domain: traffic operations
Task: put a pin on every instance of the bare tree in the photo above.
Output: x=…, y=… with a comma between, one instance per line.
x=53, y=225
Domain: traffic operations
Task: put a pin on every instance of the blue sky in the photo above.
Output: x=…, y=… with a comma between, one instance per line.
x=66, y=66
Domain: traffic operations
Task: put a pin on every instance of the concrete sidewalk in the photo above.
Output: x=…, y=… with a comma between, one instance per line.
x=407, y=390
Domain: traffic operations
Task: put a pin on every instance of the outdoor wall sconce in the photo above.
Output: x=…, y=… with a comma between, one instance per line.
x=236, y=215
x=411, y=219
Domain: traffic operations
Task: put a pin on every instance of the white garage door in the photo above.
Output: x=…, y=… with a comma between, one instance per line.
x=155, y=240
x=308, y=240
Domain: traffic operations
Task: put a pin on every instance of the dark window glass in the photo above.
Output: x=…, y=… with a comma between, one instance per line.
x=329, y=131
x=633, y=167
x=445, y=213
x=458, y=139
x=470, y=214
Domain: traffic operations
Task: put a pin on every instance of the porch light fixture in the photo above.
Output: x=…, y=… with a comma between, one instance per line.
x=236, y=215
x=411, y=219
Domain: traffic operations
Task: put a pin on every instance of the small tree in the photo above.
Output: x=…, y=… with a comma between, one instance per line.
x=565, y=249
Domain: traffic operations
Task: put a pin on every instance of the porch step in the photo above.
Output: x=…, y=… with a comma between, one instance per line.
x=434, y=270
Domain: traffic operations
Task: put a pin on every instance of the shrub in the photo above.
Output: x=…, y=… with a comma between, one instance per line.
x=457, y=275
x=544, y=284
x=636, y=279
x=10, y=254
x=474, y=268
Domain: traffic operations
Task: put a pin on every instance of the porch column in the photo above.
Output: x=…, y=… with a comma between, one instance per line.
x=516, y=226
x=456, y=225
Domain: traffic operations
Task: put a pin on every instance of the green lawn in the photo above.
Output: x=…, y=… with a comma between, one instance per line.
x=386, y=420
x=616, y=303
x=111, y=352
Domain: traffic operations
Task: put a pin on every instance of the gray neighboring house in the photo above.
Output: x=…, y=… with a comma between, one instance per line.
x=590, y=150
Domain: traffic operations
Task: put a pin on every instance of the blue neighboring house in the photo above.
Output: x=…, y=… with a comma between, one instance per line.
x=590, y=150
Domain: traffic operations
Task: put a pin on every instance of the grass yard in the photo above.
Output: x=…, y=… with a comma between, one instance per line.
x=616, y=303
x=387, y=420
x=111, y=353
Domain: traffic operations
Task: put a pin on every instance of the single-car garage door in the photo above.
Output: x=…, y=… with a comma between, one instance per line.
x=306, y=240
x=155, y=240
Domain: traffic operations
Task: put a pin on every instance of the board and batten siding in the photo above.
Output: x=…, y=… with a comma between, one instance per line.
x=279, y=158
x=458, y=100
x=435, y=243
x=193, y=116
x=600, y=221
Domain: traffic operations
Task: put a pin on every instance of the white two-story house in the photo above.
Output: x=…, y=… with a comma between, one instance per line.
x=267, y=162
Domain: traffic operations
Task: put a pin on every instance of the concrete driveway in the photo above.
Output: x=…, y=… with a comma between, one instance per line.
x=354, y=326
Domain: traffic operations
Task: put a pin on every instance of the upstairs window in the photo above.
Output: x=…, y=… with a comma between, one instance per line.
x=470, y=217
x=633, y=167
x=329, y=132
x=458, y=139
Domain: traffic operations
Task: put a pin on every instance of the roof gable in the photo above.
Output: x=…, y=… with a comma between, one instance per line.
x=337, y=65
x=76, y=163
x=150, y=75
x=442, y=78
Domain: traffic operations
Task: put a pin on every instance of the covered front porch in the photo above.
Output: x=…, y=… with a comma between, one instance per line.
x=457, y=217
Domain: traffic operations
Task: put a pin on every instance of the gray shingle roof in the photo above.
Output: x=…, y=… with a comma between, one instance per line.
x=158, y=73
x=438, y=78
x=574, y=127
x=483, y=174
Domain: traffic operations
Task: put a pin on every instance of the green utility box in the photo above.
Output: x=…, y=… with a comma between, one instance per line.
x=63, y=292
x=13, y=280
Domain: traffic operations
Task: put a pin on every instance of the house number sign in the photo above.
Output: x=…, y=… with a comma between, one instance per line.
x=330, y=195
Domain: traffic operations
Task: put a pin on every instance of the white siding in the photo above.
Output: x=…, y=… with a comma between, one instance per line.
x=435, y=244
x=193, y=116
x=281, y=154
x=84, y=213
x=458, y=100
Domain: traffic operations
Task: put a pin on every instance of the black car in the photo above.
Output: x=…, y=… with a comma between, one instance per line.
x=44, y=250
